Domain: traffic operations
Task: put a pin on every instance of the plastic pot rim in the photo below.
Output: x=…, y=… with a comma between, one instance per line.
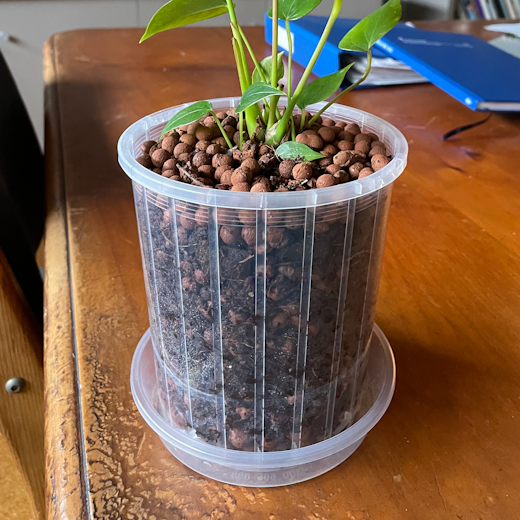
x=150, y=127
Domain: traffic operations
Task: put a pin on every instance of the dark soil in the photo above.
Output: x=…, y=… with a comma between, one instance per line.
x=261, y=319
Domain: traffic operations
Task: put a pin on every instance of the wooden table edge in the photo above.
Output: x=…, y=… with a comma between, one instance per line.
x=64, y=453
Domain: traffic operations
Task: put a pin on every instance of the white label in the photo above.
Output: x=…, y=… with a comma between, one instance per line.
x=283, y=39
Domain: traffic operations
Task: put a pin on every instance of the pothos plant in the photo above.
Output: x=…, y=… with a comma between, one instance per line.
x=261, y=88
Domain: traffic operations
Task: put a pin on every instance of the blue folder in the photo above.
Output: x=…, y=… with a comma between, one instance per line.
x=306, y=34
x=469, y=69
x=466, y=67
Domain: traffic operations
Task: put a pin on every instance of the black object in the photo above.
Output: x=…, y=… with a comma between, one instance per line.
x=459, y=129
x=22, y=205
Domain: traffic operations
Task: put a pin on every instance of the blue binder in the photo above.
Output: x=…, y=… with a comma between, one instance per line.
x=469, y=69
x=306, y=34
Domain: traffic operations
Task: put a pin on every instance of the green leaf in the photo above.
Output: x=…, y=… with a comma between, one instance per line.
x=255, y=93
x=366, y=32
x=322, y=88
x=297, y=152
x=266, y=65
x=177, y=13
x=188, y=115
x=294, y=9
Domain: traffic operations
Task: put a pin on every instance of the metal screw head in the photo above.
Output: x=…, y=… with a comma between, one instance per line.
x=15, y=385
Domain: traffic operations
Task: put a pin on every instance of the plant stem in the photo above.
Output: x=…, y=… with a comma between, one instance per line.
x=273, y=106
x=252, y=54
x=240, y=70
x=282, y=127
x=289, y=64
x=258, y=67
x=253, y=111
x=274, y=65
x=241, y=51
x=241, y=61
x=293, y=130
x=274, y=47
x=351, y=87
x=240, y=130
x=222, y=131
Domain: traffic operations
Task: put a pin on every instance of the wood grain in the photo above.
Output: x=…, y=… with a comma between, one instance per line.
x=16, y=498
x=449, y=302
x=21, y=414
x=65, y=484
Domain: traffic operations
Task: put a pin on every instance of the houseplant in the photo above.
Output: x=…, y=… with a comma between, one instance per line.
x=261, y=293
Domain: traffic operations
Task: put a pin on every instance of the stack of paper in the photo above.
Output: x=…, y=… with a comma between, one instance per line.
x=384, y=71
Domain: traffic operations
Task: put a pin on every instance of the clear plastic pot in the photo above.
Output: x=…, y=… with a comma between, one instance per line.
x=261, y=304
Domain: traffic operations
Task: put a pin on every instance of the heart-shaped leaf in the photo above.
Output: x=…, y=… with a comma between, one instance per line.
x=177, y=13
x=297, y=152
x=366, y=32
x=322, y=88
x=255, y=93
x=188, y=115
x=266, y=65
x=294, y=9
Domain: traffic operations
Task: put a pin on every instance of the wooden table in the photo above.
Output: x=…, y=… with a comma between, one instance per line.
x=449, y=445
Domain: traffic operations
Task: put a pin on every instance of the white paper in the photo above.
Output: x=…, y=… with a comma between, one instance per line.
x=508, y=44
x=283, y=39
x=509, y=28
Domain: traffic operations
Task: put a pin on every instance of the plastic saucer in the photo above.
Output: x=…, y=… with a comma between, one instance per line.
x=266, y=469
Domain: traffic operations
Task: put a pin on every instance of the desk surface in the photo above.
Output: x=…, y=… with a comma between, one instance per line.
x=448, y=447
